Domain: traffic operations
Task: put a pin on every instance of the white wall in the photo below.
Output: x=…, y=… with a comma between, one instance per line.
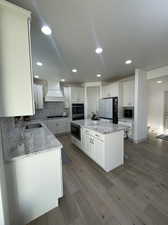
x=156, y=105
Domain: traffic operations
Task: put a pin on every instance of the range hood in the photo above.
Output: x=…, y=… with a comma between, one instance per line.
x=54, y=94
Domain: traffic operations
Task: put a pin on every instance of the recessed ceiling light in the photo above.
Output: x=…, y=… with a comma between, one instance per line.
x=128, y=62
x=159, y=81
x=99, y=75
x=74, y=70
x=99, y=50
x=39, y=63
x=62, y=80
x=46, y=30
x=36, y=76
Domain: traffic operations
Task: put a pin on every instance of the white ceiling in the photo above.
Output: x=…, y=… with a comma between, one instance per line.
x=125, y=29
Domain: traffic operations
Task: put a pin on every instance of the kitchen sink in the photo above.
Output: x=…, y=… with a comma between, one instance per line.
x=33, y=125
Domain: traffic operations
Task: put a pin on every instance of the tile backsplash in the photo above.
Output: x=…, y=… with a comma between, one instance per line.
x=50, y=108
x=8, y=132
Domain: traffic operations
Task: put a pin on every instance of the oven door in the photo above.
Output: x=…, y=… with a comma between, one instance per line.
x=77, y=116
x=76, y=131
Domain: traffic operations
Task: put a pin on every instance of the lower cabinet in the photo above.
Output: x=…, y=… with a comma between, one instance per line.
x=99, y=152
x=93, y=147
x=107, y=150
x=87, y=144
x=58, y=126
x=34, y=185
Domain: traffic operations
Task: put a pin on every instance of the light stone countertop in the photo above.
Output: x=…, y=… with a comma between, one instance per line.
x=100, y=126
x=46, y=118
x=31, y=141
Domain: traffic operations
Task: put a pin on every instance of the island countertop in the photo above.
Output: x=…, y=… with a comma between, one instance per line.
x=31, y=141
x=100, y=126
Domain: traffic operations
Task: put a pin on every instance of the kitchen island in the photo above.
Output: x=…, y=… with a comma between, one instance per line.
x=102, y=141
x=33, y=167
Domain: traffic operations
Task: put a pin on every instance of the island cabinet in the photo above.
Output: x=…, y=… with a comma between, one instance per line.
x=16, y=83
x=105, y=149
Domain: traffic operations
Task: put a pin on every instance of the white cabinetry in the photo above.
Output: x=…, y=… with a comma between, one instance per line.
x=77, y=94
x=16, y=91
x=98, y=150
x=110, y=90
x=86, y=142
x=34, y=185
x=58, y=126
x=128, y=93
x=106, y=150
x=38, y=96
x=66, y=97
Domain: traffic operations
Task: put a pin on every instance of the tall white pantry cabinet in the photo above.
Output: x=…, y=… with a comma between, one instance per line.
x=16, y=78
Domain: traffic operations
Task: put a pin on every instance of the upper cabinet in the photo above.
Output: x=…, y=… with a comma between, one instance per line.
x=110, y=90
x=16, y=80
x=128, y=93
x=67, y=97
x=73, y=95
x=77, y=94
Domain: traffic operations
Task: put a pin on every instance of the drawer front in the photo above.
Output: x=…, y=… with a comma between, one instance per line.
x=94, y=134
x=99, y=136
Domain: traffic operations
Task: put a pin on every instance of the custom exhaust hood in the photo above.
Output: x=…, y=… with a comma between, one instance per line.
x=54, y=93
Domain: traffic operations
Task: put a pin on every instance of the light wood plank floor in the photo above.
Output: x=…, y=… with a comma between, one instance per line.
x=135, y=194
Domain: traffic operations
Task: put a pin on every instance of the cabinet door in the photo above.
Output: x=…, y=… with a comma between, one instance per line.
x=115, y=89
x=81, y=95
x=128, y=93
x=16, y=80
x=52, y=126
x=74, y=94
x=106, y=91
x=62, y=126
x=111, y=90
x=87, y=147
x=99, y=152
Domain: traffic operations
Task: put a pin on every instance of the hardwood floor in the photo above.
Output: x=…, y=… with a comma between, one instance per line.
x=135, y=194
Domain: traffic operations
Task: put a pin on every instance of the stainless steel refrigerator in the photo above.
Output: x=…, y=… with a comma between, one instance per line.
x=108, y=109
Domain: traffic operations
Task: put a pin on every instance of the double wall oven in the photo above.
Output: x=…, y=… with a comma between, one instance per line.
x=77, y=111
x=76, y=131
